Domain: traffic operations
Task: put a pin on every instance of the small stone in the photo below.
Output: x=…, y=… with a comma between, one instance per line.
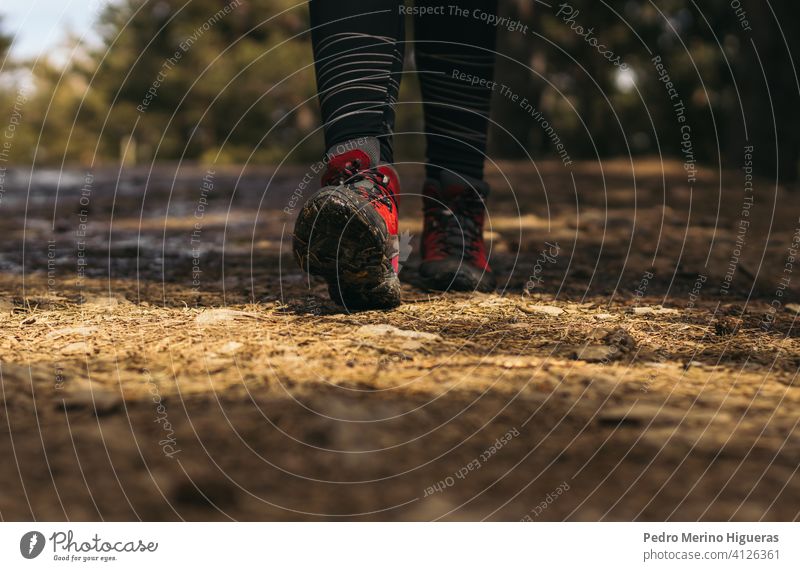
x=405, y=339
x=550, y=310
x=654, y=310
x=231, y=347
x=212, y=316
x=382, y=330
x=596, y=353
x=98, y=400
x=104, y=300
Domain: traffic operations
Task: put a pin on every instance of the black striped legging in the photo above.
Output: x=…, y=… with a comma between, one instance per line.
x=358, y=51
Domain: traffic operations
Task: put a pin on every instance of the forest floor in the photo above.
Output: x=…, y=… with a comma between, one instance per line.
x=162, y=357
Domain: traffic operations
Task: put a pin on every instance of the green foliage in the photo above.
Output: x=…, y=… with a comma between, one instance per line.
x=173, y=80
x=196, y=81
x=5, y=41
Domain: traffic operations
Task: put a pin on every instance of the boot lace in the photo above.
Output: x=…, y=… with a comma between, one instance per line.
x=457, y=226
x=378, y=191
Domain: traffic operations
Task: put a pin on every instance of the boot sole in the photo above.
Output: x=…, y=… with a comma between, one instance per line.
x=341, y=238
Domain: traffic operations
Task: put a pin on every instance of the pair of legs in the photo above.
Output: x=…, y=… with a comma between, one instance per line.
x=359, y=47
x=347, y=232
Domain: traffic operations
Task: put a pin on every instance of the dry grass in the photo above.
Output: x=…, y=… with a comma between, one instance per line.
x=282, y=406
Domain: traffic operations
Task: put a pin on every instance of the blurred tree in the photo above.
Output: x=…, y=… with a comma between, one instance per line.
x=520, y=51
x=722, y=68
x=770, y=88
x=5, y=41
x=187, y=78
x=50, y=132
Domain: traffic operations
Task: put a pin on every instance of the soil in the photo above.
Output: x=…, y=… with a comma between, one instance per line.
x=162, y=356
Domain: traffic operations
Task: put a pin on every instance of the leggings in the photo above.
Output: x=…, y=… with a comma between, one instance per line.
x=358, y=53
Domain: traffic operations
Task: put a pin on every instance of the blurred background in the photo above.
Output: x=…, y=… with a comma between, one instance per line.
x=241, y=90
x=152, y=154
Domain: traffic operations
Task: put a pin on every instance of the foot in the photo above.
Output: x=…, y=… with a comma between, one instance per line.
x=346, y=233
x=453, y=252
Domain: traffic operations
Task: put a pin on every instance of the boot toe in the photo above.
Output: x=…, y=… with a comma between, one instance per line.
x=456, y=275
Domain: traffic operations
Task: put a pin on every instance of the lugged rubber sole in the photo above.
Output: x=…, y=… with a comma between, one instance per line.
x=341, y=238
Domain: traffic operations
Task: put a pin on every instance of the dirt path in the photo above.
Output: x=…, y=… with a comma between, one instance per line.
x=176, y=363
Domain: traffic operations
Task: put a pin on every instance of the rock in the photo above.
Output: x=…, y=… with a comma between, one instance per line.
x=603, y=316
x=597, y=353
x=550, y=310
x=402, y=338
x=212, y=316
x=495, y=301
x=105, y=300
x=654, y=310
x=97, y=399
x=382, y=330
x=231, y=347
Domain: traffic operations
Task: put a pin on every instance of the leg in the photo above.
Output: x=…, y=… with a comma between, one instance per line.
x=456, y=112
x=449, y=47
x=358, y=52
x=346, y=233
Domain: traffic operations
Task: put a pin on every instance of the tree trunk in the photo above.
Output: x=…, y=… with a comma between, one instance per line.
x=512, y=120
x=769, y=91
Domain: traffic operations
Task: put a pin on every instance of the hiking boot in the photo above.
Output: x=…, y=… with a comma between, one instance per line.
x=346, y=232
x=453, y=252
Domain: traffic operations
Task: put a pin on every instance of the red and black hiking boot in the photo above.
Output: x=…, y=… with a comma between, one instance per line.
x=453, y=252
x=346, y=233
